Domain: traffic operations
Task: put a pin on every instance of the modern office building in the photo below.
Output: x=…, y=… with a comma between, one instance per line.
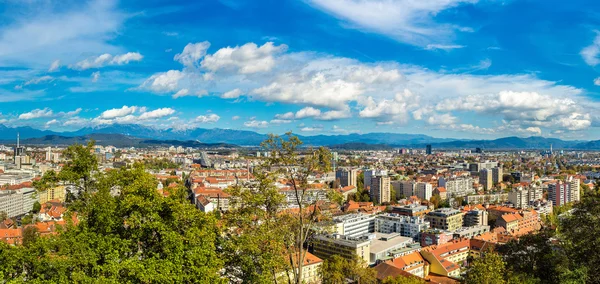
x=428, y=150
x=354, y=225
x=326, y=246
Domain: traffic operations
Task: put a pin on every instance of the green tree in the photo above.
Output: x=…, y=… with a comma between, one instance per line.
x=36, y=207
x=3, y=216
x=285, y=160
x=30, y=235
x=137, y=236
x=488, y=269
x=338, y=270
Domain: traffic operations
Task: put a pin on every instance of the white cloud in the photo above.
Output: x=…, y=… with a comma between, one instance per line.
x=181, y=93
x=286, y=116
x=445, y=47
x=35, y=81
x=245, y=59
x=335, y=114
x=157, y=113
x=95, y=76
x=233, y=94
x=107, y=60
x=590, y=53
x=256, y=124
x=209, y=118
x=54, y=66
x=36, y=113
x=407, y=21
x=51, y=122
x=164, y=82
x=597, y=81
x=317, y=91
x=54, y=32
x=280, y=121
x=308, y=112
x=192, y=53
x=235, y=117
x=118, y=112
x=442, y=119
x=311, y=129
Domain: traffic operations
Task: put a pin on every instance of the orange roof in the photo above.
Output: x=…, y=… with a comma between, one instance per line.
x=441, y=189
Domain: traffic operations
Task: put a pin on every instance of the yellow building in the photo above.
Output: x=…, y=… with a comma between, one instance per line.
x=311, y=271
x=56, y=193
x=447, y=259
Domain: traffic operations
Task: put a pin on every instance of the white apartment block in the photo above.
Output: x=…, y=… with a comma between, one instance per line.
x=406, y=226
x=456, y=187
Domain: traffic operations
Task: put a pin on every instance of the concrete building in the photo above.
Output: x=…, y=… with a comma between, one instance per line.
x=326, y=246
x=445, y=219
x=385, y=245
x=475, y=217
x=561, y=193
x=346, y=177
x=428, y=150
x=485, y=179
x=497, y=175
x=457, y=187
x=435, y=237
x=491, y=198
x=404, y=225
x=410, y=210
x=354, y=225
x=17, y=202
x=380, y=189
x=424, y=190
x=470, y=232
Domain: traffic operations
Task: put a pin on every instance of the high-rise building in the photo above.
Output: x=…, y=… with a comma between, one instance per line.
x=346, y=177
x=561, y=193
x=485, y=178
x=497, y=175
x=369, y=174
x=380, y=189
x=428, y=149
x=424, y=190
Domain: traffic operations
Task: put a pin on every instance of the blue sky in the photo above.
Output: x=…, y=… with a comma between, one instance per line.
x=445, y=68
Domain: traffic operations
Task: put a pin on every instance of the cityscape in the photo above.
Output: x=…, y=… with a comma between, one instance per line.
x=300, y=141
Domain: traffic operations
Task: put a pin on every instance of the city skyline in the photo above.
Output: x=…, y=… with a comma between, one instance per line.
x=452, y=68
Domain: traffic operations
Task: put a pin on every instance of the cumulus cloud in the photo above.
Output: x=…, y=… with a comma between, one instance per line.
x=164, y=82
x=286, y=116
x=157, y=113
x=246, y=59
x=597, y=81
x=307, y=112
x=54, y=66
x=118, y=112
x=192, y=53
x=256, y=124
x=233, y=94
x=407, y=21
x=36, y=113
x=209, y=118
x=107, y=59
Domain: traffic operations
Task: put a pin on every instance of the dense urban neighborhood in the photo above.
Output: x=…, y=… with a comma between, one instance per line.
x=285, y=212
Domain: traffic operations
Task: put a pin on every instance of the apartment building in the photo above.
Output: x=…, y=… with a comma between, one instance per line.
x=380, y=189
x=404, y=225
x=445, y=219
x=346, y=177
x=475, y=217
x=456, y=187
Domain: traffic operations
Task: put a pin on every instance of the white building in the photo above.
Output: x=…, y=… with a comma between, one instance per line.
x=406, y=226
x=354, y=225
x=456, y=187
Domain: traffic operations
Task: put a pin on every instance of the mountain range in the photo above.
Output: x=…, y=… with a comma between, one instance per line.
x=138, y=135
